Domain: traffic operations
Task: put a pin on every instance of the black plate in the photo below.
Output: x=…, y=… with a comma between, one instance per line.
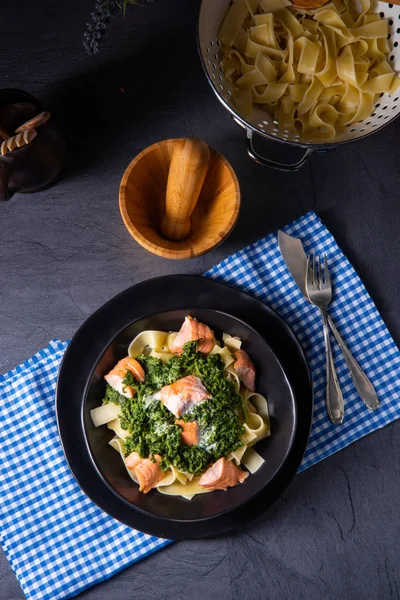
x=162, y=303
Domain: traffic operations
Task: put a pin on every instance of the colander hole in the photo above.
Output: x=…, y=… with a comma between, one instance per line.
x=266, y=122
x=384, y=108
x=220, y=78
x=392, y=57
x=274, y=129
x=212, y=76
x=396, y=44
x=373, y=114
x=208, y=50
x=387, y=116
x=389, y=36
x=348, y=125
x=361, y=130
x=208, y=62
x=211, y=43
x=368, y=123
x=391, y=22
x=398, y=30
x=221, y=87
x=229, y=93
x=275, y=122
x=218, y=43
x=396, y=98
x=377, y=105
x=379, y=116
x=216, y=56
x=375, y=125
x=261, y=125
x=273, y=132
x=390, y=5
x=381, y=14
x=352, y=130
x=380, y=95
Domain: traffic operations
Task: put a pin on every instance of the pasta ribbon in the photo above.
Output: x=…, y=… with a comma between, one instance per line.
x=147, y=339
x=163, y=356
x=104, y=414
x=115, y=426
x=187, y=490
x=252, y=460
x=224, y=353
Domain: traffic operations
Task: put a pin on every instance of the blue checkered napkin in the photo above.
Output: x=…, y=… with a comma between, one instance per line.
x=260, y=270
x=57, y=541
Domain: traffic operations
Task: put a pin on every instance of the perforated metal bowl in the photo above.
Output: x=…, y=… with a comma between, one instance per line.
x=386, y=110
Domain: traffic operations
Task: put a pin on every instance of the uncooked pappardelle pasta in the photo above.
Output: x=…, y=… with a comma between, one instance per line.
x=313, y=71
x=184, y=411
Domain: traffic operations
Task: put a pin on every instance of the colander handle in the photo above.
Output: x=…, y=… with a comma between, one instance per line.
x=266, y=162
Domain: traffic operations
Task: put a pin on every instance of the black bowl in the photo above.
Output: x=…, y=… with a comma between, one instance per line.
x=162, y=304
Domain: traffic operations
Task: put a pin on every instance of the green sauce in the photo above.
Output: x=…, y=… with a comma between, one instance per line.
x=152, y=426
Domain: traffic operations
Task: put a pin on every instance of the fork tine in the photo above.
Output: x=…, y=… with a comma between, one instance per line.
x=309, y=277
x=319, y=266
x=314, y=274
x=327, y=276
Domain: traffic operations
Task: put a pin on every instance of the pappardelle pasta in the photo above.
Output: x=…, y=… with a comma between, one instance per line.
x=184, y=411
x=313, y=71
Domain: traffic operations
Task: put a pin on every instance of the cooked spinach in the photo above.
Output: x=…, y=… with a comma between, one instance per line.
x=152, y=426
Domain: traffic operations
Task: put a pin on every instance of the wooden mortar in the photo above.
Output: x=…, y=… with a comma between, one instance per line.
x=179, y=198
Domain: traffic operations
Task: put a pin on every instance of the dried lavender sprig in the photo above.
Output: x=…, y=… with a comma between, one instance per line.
x=104, y=11
x=96, y=30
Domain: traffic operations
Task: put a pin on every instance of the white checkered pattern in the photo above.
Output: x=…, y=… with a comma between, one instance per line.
x=57, y=541
x=260, y=270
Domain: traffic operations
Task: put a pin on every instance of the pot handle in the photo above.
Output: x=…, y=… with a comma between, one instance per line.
x=266, y=162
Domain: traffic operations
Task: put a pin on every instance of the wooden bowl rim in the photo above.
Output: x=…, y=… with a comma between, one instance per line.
x=176, y=254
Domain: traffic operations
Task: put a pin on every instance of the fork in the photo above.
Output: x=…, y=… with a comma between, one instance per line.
x=319, y=291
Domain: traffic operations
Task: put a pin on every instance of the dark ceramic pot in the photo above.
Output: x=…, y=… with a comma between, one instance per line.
x=35, y=166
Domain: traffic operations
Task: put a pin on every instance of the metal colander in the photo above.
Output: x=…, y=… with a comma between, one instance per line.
x=386, y=109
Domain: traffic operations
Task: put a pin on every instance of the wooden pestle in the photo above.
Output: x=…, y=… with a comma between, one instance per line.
x=186, y=176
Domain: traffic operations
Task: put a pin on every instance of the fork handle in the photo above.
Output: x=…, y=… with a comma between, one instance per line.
x=362, y=384
x=333, y=394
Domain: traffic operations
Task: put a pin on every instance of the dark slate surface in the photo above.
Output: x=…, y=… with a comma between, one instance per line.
x=64, y=252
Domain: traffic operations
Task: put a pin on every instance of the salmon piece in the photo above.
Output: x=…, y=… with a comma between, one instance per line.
x=148, y=473
x=117, y=374
x=179, y=397
x=222, y=474
x=190, y=434
x=245, y=368
x=192, y=330
x=132, y=460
